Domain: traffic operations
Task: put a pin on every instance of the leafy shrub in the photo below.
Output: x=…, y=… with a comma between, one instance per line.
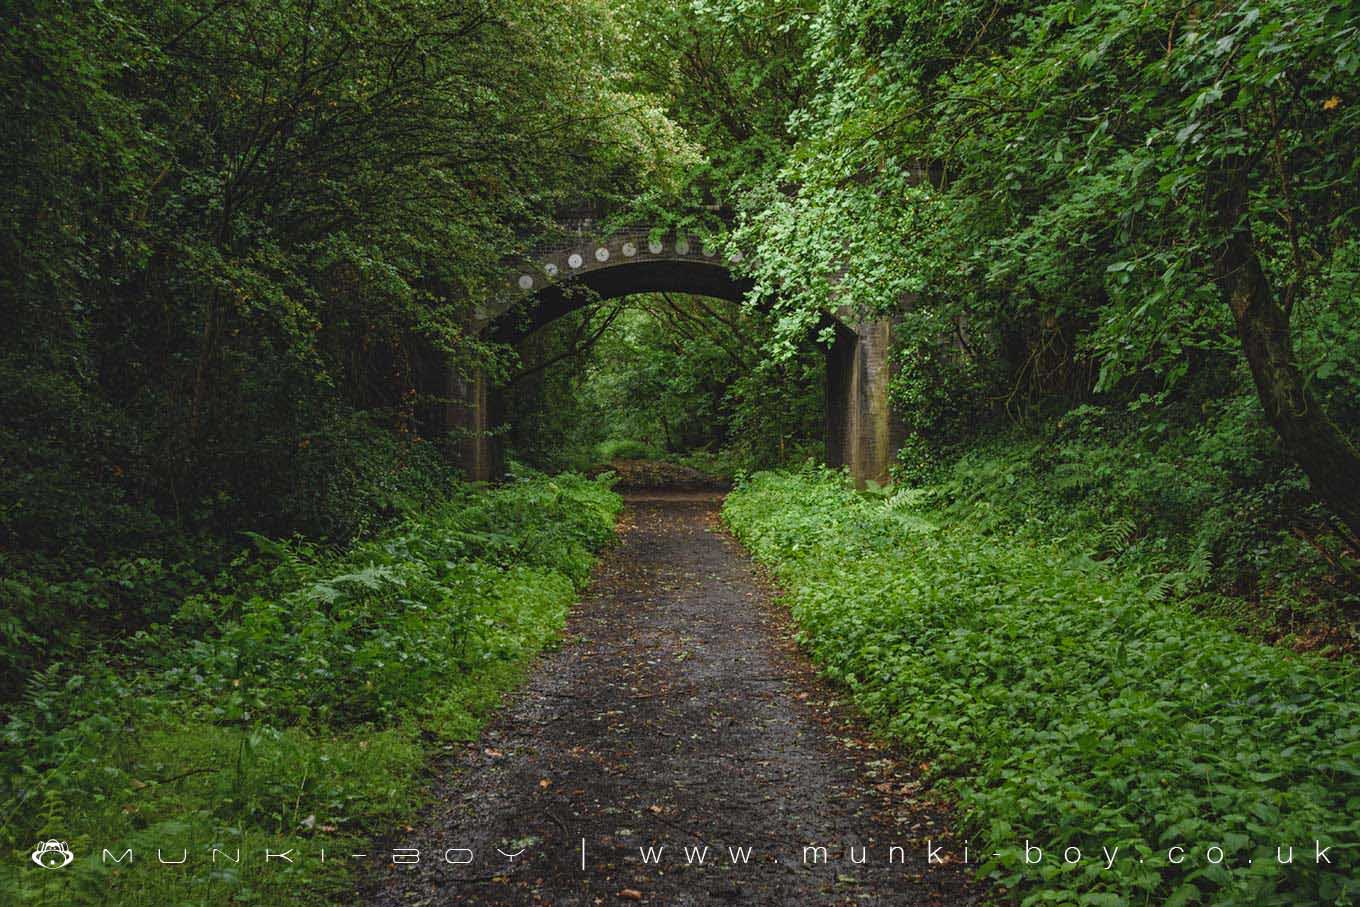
x=293, y=710
x=1196, y=495
x=1065, y=702
x=350, y=477
x=113, y=570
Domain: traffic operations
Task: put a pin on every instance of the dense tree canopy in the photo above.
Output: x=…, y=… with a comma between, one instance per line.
x=1100, y=194
x=246, y=248
x=238, y=235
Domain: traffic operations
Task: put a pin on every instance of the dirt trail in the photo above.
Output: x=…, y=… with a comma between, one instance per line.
x=677, y=713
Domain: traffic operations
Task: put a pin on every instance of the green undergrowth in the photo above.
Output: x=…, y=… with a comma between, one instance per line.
x=1194, y=494
x=626, y=449
x=295, y=716
x=1068, y=702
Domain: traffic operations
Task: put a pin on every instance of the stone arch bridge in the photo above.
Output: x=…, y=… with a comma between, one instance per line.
x=861, y=432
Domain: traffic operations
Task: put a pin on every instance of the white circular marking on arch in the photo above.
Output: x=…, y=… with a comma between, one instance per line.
x=550, y=269
x=735, y=256
x=655, y=246
x=574, y=260
x=709, y=251
x=682, y=246
x=629, y=250
x=602, y=254
x=526, y=282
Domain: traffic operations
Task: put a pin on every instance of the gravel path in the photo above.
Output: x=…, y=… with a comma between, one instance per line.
x=677, y=714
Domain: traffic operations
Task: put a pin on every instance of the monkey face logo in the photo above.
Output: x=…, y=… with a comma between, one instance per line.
x=52, y=854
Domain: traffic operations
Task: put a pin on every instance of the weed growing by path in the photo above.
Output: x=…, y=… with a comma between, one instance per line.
x=1069, y=704
x=296, y=715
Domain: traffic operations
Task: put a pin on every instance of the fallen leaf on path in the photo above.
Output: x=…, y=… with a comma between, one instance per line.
x=630, y=894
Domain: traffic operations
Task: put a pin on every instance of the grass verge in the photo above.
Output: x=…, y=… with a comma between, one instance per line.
x=1068, y=704
x=293, y=717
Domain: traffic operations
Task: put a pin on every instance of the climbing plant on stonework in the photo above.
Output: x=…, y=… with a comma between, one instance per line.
x=1108, y=197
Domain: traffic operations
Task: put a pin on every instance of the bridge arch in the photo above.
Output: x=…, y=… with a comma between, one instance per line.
x=553, y=280
x=560, y=278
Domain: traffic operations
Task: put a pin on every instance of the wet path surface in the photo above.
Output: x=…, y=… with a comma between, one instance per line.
x=676, y=716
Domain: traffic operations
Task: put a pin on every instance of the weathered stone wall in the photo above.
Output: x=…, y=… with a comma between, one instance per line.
x=473, y=414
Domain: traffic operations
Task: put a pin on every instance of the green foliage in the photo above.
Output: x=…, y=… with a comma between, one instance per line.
x=242, y=242
x=626, y=449
x=731, y=75
x=1067, y=703
x=348, y=482
x=668, y=377
x=1197, y=496
x=943, y=389
x=1043, y=194
x=293, y=707
x=1058, y=152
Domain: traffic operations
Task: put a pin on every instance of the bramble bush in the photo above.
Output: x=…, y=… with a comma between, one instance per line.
x=295, y=711
x=1066, y=702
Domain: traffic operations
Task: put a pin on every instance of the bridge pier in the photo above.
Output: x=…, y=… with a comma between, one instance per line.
x=472, y=416
x=862, y=432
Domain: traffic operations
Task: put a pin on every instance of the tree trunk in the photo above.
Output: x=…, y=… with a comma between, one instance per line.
x=1326, y=455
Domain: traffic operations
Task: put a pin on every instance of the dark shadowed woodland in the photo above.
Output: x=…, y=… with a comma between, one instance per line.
x=419, y=403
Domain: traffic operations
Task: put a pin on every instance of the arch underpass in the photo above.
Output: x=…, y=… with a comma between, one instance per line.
x=861, y=432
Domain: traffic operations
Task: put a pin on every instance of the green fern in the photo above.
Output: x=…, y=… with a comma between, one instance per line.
x=1117, y=535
